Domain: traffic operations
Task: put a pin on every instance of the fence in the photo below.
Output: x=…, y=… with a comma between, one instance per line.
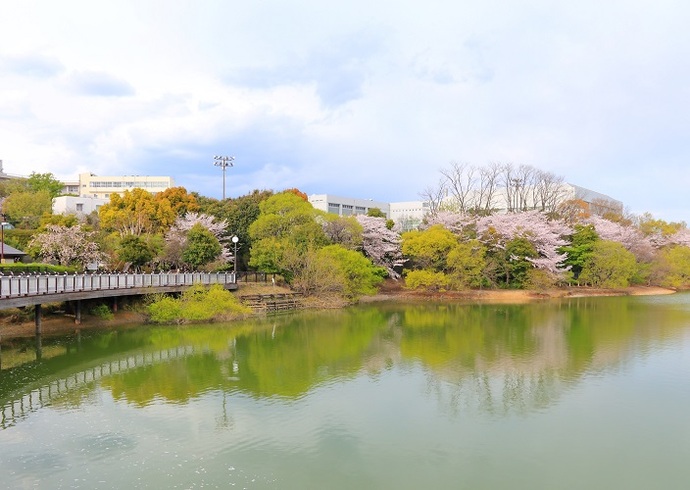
x=44, y=284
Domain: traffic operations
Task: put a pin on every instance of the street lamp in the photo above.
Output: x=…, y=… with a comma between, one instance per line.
x=235, y=239
x=223, y=163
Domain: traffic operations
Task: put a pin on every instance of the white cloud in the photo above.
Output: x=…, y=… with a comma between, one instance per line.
x=356, y=98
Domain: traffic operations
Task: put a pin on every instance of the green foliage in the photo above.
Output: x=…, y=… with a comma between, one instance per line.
x=342, y=230
x=580, y=248
x=135, y=250
x=466, y=262
x=376, y=213
x=202, y=247
x=197, y=304
x=45, y=182
x=19, y=239
x=360, y=276
x=165, y=309
x=513, y=264
x=286, y=223
x=37, y=267
x=66, y=220
x=103, y=312
x=429, y=249
x=24, y=209
x=672, y=267
x=609, y=266
x=539, y=280
x=427, y=279
x=648, y=225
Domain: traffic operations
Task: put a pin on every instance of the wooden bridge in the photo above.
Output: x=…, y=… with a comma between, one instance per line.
x=18, y=291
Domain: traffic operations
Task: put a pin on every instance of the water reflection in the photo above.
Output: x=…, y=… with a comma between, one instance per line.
x=495, y=359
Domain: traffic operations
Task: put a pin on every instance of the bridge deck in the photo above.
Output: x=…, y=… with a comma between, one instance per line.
x=34, y=289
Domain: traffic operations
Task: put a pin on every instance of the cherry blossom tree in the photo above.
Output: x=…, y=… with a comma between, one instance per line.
x=67, y=246
x=627, y=235
x=381, y=245
x=547, y=236
x=176, y=237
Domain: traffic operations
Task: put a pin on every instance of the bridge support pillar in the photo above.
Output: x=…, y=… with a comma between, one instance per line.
x=77, y=312
x=37, y=318
x=114, y=304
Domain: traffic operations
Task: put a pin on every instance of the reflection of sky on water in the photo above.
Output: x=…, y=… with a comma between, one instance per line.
x=375, y=416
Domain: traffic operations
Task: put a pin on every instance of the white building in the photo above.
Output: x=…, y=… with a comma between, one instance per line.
x=408, y=215
x=346, y=206
x=80, y=206
x=103, y=186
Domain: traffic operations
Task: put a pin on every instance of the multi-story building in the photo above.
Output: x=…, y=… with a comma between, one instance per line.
x=346, y=206
x=103, y=186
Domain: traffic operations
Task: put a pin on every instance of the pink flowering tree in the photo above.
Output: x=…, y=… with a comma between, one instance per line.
x=643, y=247
x=547, y=236
x=67, y=246
x=381, y=245
x=176, y=237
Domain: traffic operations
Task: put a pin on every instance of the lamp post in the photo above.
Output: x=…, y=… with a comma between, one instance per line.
x=235, y=239
x=223, y=162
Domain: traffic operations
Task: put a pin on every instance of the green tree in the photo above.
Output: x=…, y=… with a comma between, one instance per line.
x=466, y=263
x=361, y=277
x=672, y=267
x=580, y=249
x=286, y=223
x=376, y=213
x=514, y=263
x=24, y=209
x=135, y=250
x=342, y=230
x=429, y=249
x=202, y=247
x=45, y=182
x=609, y=266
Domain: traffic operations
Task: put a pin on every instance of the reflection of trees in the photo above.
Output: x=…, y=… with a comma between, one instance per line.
x=503, y=358
x=492, y=358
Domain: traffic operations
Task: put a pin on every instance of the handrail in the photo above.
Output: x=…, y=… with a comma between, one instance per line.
x=18, y=286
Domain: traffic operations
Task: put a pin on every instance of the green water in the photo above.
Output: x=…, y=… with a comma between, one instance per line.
x=580, y=394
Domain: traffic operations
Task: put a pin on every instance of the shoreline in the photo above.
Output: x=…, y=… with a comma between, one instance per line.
x=64, y=324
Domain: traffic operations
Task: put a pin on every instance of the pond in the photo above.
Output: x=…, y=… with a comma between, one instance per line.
x=582, y=393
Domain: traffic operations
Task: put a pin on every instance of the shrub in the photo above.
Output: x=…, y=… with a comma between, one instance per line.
x=197, y=304
x=166, y=309
x=426, y=279
x=102, y=311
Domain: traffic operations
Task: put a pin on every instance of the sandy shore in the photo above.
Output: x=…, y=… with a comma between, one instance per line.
x=61, y=324
x=511, y=295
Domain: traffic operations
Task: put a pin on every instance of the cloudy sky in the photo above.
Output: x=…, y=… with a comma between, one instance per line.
x=366, y=99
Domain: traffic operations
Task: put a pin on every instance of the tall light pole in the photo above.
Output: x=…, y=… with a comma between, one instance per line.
x=223, y=162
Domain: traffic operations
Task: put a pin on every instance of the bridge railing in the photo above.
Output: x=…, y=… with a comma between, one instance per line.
x=40, y=284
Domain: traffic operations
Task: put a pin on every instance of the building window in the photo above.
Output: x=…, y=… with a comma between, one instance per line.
x=333, y=208
x=80, y=207
x=360, y=210
x=347, y=210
